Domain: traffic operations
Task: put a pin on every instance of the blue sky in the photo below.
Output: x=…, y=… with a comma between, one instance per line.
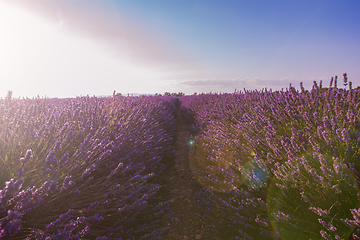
x=63, y=48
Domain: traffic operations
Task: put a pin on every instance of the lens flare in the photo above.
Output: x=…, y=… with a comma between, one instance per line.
x=254, y=173
x=211, y=160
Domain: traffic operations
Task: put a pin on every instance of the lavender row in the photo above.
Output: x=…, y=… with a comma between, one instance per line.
x=278, y=164
x=84, y=168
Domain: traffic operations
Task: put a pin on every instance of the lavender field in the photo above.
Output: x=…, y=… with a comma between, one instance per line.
x=278, y=164
x=269, y=164
x=84, y=168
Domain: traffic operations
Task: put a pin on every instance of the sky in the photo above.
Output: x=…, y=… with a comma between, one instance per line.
x=69, y=48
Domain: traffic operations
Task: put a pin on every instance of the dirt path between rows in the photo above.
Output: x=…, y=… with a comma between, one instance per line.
x=185, y=222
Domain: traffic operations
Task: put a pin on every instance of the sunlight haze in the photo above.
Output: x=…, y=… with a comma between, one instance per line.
x=72, y=48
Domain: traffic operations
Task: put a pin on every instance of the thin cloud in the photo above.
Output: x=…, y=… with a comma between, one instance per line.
x=228, y=85
x=284, y=82
x=211, y=82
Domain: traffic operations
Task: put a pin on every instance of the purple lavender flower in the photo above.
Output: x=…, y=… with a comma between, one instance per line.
x=10, y=225
x=11, y=188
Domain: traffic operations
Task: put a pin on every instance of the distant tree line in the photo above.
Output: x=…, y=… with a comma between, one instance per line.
x=179, y=94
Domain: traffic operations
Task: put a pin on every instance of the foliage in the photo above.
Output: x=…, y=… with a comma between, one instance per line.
x=84, y=168
x=272, y=164
x=179, y=94
x=281, y=164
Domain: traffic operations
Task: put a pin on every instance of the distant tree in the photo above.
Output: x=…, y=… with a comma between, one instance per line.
x=179, y=94
x=9, y=95
x=325, y=89
x=8, y=98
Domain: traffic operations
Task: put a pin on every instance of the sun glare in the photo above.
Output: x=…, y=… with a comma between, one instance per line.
x=24, y=44
x=43, y=57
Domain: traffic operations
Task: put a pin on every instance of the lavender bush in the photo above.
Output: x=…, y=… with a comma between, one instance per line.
x=84, y=168
x=278, y=164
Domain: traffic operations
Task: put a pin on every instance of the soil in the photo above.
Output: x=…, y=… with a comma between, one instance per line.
x=185, y=222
